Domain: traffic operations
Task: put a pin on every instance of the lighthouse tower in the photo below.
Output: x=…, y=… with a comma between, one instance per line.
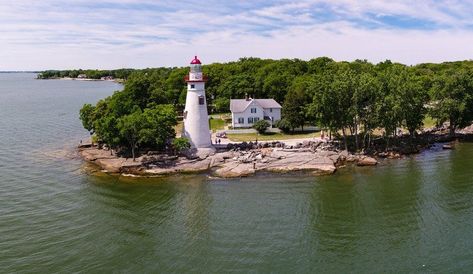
x=196, y=118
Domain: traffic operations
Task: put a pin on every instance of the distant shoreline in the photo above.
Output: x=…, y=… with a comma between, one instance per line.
x=118, y=81
x=19, y=71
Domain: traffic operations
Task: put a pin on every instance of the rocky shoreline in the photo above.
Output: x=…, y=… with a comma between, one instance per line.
x=237, y=160
x=315, y=157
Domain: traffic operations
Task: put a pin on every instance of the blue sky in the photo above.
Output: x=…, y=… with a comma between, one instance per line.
x=60, y=34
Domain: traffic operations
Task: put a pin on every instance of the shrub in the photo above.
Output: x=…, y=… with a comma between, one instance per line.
x=283, y=125
x=261, y=126
x=180, y=144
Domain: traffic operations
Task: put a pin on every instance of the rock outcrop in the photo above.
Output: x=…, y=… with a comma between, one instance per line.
x=242, y=160
x=366, y=161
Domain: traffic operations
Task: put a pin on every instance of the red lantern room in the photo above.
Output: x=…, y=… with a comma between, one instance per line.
x=196, y=65
x=196, y=61
x=195, y=74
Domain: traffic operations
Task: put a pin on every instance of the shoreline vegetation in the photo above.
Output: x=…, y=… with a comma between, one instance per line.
x=367, y=109
x=312, y=156
x=86, y=74
x=119, y=81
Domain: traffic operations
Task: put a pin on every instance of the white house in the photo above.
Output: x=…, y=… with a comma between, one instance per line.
x=246, y=112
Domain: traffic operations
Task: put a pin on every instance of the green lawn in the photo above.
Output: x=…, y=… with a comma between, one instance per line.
x=217, y=124
x=221, y=116
x=246, y=137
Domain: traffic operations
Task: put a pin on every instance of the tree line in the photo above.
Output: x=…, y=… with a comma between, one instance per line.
x=89, y=73
x=351, y=99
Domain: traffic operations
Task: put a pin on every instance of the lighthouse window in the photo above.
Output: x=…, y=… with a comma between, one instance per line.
x=201, y=100
x=192, y=86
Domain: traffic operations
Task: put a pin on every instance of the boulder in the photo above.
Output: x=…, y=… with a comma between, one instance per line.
x=367, y=161
x=234, y=170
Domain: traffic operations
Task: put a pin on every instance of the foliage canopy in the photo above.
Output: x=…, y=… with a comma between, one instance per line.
x=352, y=98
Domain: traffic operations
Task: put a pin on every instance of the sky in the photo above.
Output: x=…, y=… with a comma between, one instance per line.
x=68, y=34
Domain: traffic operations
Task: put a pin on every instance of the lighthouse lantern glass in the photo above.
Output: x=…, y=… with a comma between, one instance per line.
x=196, y=68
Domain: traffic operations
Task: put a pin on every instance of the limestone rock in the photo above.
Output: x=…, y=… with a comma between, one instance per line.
x=367, y=161
x=234, y=170
x=324, y=170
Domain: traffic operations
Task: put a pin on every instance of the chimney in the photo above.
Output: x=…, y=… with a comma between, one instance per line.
x=246, y=97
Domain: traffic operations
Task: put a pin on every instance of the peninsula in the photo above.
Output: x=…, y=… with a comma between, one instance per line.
x=170, y=120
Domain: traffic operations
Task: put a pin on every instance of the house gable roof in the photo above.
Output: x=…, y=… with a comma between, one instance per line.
x=239, y=105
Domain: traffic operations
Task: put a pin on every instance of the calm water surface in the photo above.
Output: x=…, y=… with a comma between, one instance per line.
x=412, y=215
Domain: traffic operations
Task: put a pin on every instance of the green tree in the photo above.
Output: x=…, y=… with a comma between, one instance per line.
x=389, y=108
x=319, y=65
x=86, y=115
x=452, y=96
x=365, y=97
x=222, y=105
x=130, y=127
x=413, y=99
x=295, y=103
x=158, y=125
x=107, y=132
x=332, y=100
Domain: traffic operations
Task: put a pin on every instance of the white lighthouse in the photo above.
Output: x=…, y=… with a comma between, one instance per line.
x=196, y=118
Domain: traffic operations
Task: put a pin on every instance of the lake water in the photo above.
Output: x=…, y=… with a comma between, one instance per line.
x=410, y=215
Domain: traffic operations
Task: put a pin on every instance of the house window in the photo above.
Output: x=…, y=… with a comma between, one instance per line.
x=255, y=119
x=201, y=100
x=250, y=120
x=192, y=86
x=270, y=110
x=241, y=120
x=253, y=110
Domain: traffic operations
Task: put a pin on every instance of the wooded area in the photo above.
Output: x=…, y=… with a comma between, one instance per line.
x=353, y=98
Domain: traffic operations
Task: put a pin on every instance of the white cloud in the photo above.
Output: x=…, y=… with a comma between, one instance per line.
x=125, y=33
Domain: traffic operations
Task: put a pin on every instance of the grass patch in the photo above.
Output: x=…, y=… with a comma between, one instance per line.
x=223, y=116
x=271, y=136
x=217, y=124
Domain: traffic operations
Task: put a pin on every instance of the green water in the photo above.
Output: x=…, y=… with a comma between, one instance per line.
x=411, y=215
